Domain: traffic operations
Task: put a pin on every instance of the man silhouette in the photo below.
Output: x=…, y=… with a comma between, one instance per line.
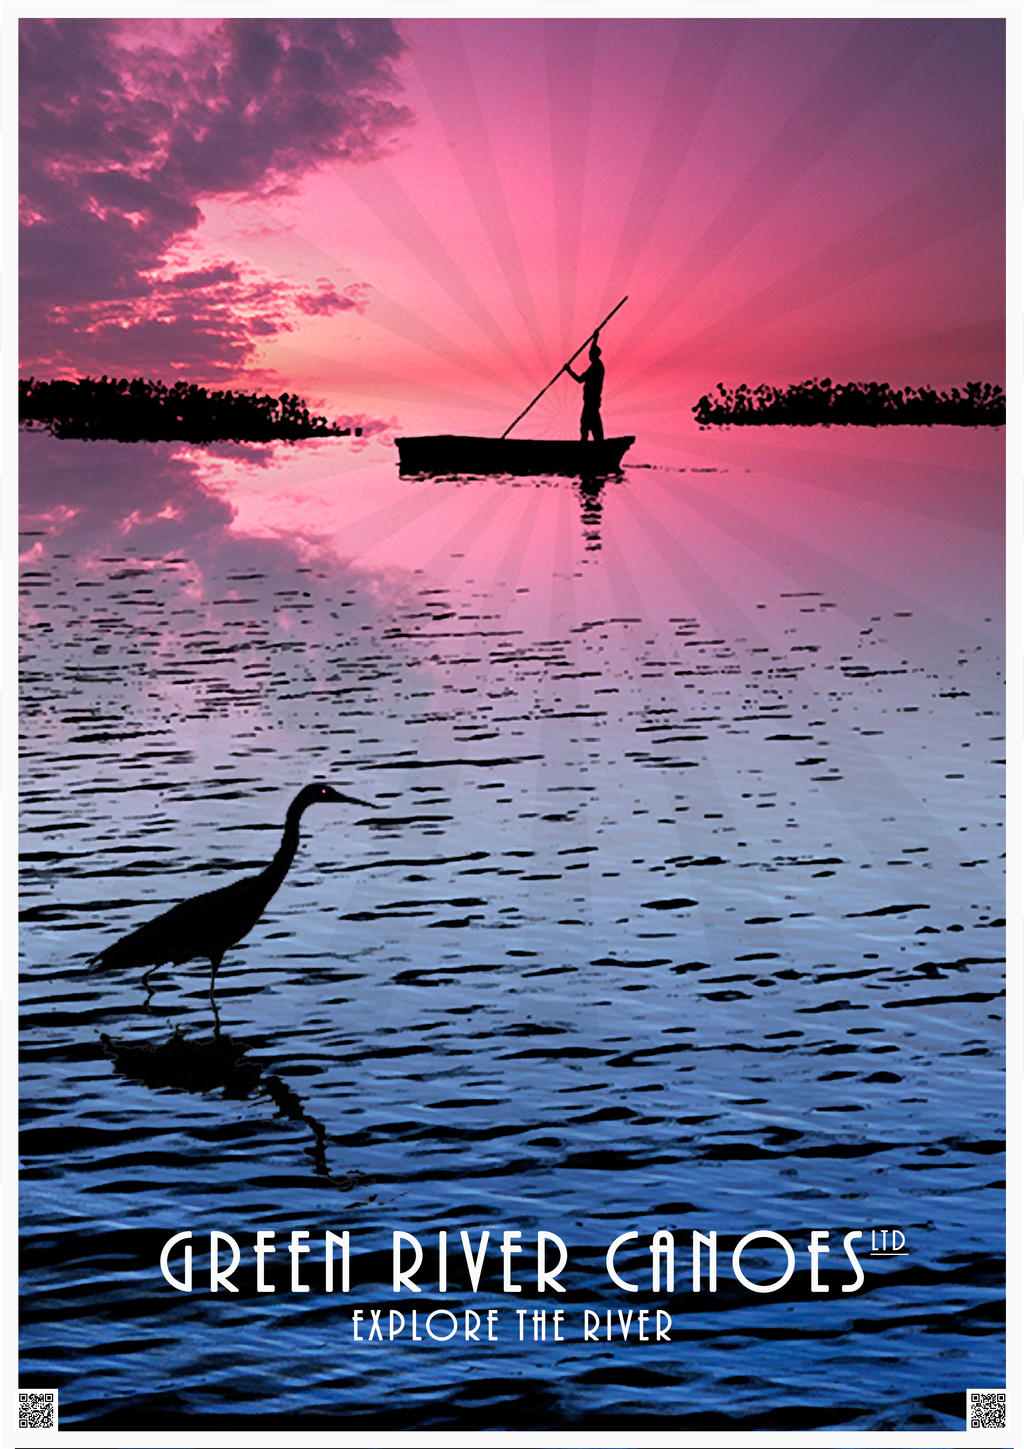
x=593, y=381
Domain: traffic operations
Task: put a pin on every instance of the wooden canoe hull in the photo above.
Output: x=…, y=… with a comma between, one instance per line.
x=445, y=453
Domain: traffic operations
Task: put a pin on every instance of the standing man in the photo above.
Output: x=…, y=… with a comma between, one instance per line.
x=593, y=381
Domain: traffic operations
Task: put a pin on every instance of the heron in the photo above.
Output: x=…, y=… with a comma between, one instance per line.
x=208, y=925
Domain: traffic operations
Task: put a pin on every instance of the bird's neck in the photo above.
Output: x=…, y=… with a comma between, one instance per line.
x=278, y=867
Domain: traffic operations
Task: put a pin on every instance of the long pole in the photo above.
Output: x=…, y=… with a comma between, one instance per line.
x=558, y=374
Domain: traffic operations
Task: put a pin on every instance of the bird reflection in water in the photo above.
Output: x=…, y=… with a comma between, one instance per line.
x=208, y=925
x=221, y=1063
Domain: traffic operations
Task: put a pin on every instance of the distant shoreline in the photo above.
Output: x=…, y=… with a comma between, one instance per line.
x=138, y=409
x=857, y=404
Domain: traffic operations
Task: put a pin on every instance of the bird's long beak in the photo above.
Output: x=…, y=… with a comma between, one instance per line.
x=351, y=800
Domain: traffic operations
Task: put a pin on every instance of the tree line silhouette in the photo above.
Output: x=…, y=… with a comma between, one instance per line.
x=869, y=404
x=139, y=409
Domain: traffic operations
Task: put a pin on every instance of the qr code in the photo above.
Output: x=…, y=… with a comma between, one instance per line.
x=986, y=1409
x=37, y=1409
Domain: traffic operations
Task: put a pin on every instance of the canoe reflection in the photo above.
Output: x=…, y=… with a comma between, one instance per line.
x=586, y=484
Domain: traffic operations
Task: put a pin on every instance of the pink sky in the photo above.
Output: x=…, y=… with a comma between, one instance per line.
x=419, y=219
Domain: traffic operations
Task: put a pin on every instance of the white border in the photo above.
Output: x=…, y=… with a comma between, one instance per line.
x=10, y=13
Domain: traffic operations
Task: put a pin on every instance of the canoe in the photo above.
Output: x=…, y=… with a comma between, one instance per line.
x=452, y=453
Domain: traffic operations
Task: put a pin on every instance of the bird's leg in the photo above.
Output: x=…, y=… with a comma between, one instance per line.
x=214, y=963
x=150, y=989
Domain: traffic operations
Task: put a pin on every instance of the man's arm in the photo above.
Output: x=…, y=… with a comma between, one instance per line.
x=573, y=375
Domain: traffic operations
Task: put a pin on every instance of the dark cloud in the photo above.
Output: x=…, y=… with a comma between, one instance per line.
x=127, y=126
x=202, y=324
x=281, y=96
x=206, y=277
x=328, y=299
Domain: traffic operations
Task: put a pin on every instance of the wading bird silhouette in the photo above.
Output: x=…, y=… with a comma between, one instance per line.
x=210, y=924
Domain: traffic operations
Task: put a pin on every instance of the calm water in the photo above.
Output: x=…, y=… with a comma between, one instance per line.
x=681, y=909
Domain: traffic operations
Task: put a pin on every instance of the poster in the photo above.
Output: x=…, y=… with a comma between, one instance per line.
x=610, y=1039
